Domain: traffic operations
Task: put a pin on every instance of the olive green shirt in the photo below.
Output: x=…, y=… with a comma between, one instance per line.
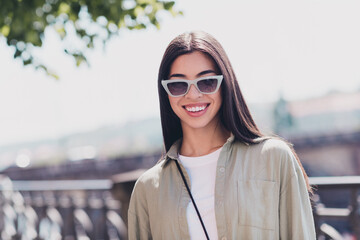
x=260, y=193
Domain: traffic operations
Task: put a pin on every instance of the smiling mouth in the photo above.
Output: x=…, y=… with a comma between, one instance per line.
x=195, y=109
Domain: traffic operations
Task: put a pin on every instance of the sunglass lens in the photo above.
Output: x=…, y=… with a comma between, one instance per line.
x=177, y=88
x=207, y=85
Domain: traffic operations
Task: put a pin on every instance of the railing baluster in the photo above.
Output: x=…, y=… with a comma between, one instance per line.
x=52, y=209
x=354, y=215
x=95, y=208
x=350, y=214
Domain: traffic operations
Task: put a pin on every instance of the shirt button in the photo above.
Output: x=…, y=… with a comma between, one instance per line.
x=222, y=169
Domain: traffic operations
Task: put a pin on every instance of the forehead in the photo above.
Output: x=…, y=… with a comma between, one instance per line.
x=191, y=64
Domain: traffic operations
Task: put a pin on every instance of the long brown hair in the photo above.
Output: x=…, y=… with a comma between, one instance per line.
x=234, y=112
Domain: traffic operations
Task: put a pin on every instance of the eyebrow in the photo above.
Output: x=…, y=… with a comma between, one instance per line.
x=197, y=75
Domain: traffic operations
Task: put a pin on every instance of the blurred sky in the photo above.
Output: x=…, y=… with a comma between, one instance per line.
x=301, y=49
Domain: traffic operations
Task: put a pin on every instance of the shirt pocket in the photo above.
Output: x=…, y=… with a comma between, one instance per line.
x=258, y=204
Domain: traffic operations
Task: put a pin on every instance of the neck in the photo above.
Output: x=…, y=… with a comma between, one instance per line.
x=202, y=141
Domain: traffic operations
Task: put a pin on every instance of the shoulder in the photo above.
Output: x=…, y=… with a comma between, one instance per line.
x=145, y=187
x=270, y=155
x=275, y=146
x=265, y=147
x=280, y=155
x=151, y=176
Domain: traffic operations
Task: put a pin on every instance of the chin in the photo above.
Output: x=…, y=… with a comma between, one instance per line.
x=196, y=124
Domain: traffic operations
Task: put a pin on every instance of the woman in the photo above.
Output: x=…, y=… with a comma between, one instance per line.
x=220, y=177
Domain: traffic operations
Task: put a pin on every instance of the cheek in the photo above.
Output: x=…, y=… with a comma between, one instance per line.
x=218, y=99
x=173, y=103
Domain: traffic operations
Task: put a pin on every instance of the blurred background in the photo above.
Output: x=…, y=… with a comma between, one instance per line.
x=79, y=112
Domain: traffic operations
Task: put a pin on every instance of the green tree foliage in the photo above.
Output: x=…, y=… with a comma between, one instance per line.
x=83, y=22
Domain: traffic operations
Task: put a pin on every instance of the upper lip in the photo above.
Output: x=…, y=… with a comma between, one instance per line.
x=196, y=105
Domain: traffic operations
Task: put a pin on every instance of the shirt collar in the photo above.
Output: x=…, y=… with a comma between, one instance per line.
x=173, y=152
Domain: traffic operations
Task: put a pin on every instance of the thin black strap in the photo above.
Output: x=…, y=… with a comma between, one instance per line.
x=192, y=199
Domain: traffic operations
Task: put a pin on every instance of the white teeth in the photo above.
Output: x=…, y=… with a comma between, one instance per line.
x=195, y=109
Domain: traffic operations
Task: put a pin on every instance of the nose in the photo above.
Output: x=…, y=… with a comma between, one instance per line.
x=193, y=92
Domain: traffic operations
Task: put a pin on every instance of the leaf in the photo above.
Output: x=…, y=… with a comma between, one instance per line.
x=64, y=8
x=75, y=7
x=52, y=74
x=5, y=30
x=17, y=53
x=26, y=20
x=27, y=62
x=168, y=5
x=61, y=31
x=138, y=11
x=47, y=71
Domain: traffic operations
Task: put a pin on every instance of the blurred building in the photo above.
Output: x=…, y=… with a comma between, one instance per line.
x=325, y=132
x=106, y=143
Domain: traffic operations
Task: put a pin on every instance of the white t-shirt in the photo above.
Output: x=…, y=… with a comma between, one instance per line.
x=202, y=173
